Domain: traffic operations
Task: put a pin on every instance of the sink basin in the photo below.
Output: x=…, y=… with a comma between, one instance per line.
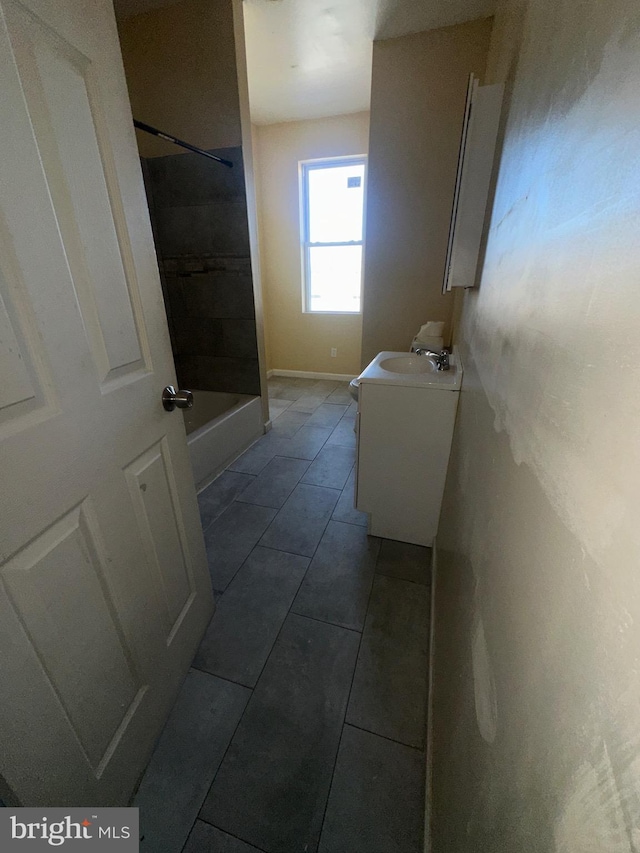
x=411, y=371
x=409, y=364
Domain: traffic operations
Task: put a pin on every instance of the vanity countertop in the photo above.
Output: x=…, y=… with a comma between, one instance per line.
x=413, y=371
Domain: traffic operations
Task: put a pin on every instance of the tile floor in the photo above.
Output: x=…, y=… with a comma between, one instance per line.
x=301, y=725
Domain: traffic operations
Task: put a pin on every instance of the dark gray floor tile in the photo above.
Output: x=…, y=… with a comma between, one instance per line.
x=218, y=495
x=390, y=685
x=250, y=614
x=331, y=467
x=272, y=786
x=288, y=423
x=345, y=509
x=289, y=387
x=257, y=457
x=337, y=586
x=305, y=444
x=301, y=521
x=343, y=434
x=377, y=797
x=275, y=482
x=308, y=403
x=351, y=412
x=326, y=415
x=186, y=759
x=341, y=395
x=402, y=560
x=230, y=539
x=277, y=407
x=205, y=838
x=325, y=386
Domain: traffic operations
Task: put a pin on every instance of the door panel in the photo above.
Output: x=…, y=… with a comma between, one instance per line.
x=153, y=494
x=104, y=588
x=59, y=580
x=23, y=366
x=64, y=102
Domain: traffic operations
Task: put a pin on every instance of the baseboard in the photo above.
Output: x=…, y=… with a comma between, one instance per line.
x=308, y=374
x=429, y=739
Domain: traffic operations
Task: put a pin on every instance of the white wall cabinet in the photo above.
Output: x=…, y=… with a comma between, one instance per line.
x=473, y=180
x=404, y=440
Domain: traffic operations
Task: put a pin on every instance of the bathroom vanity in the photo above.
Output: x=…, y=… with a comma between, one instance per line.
x=406, y=414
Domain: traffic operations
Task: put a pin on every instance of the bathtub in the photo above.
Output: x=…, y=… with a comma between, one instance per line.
x=219, y=427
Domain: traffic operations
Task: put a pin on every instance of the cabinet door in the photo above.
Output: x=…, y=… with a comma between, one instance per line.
x=403, y=453
x=475, y=167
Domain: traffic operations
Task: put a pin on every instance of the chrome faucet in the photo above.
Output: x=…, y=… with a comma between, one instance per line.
x=441, y=358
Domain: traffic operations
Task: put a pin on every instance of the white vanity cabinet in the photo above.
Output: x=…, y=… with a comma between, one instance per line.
x=405, y=429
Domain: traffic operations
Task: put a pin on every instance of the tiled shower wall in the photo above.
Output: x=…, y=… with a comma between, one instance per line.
x=199, y=217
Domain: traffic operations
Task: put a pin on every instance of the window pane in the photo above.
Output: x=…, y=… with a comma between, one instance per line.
x=334, y=273
x=335, y=203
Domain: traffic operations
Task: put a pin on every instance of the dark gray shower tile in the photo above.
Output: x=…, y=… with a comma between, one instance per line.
x=389, y=691
x=188, y=179
x=219, y=294
x=219, y=227
x=377, y=797
x=402, y=560
x=272, y=786
x=218, y=495
x=187, y=370
x=235, y=375
x=345, y=509
x=233, y=295
x=173, y=289
x=331, y=467
x=249, y=616
x=186, y=758
x=205, y=838
x=336, y=588
x=327, y=415
x=343, y=434
x=231, y=537
x=239, y=337
x=275, y=482
x=301, y=521
x=199, y=336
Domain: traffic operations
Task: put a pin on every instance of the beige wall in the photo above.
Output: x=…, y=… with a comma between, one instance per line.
x=297, y=341
x=417, y=100
x=180, y=64
x=537, y=700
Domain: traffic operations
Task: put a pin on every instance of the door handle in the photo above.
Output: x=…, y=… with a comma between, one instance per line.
x=171, y=398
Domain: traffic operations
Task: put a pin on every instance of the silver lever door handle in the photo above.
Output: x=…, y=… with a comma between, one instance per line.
x=171, y=398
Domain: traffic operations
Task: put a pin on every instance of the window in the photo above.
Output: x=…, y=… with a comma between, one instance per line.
x=332, y=195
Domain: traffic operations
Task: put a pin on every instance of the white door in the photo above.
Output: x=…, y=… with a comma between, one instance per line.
x=104, y=590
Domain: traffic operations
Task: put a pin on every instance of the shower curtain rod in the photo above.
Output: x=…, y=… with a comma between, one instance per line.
x=155, y=132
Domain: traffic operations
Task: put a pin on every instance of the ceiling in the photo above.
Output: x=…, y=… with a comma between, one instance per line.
x=312, y=58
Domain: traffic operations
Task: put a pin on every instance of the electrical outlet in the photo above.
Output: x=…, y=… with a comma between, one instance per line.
x=334, y=352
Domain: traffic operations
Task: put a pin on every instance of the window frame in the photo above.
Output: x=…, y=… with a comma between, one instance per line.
x=304, y=167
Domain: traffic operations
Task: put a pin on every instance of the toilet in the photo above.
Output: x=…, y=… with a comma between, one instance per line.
x=353, y=388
